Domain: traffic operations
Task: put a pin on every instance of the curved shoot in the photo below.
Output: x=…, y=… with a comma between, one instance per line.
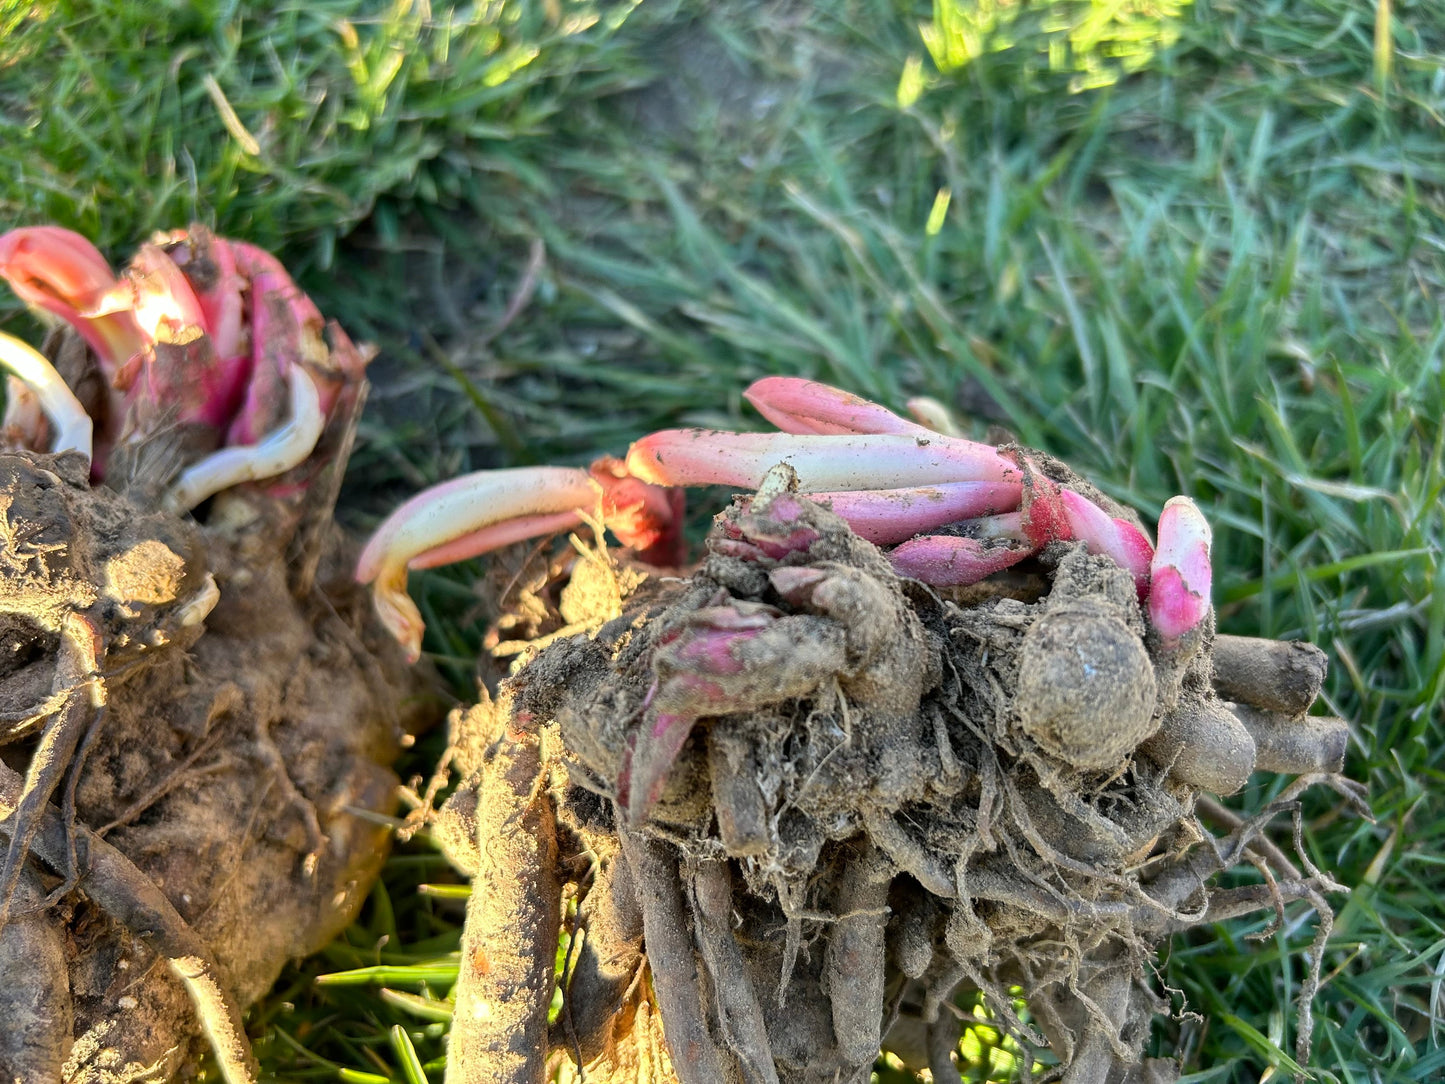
x=73, y=427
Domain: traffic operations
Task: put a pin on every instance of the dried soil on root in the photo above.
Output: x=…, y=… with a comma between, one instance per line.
x=888, y=798
x=227, y=766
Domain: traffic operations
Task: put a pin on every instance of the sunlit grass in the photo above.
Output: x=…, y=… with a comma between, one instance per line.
x=281, y=121
x=1095, y=42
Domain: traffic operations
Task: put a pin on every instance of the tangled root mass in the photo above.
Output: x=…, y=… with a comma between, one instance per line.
x=882, y=796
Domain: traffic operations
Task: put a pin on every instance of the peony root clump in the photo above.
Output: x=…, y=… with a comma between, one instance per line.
x=929, y=718
x=197, y=714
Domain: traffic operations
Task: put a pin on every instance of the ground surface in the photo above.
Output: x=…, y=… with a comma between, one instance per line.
x=1197, y=251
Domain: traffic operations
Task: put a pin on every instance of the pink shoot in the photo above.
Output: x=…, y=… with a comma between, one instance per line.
x=694, y=664
x=174, y=377
x=952, y=561
x=210, y=268
x=479, y=512
x=494, y=537
x=690, y=457
x=796, y=582
x=453, y=511
x=284, y=448
x=1050, y=513
x=278, y=342
x=802, y=406
x=253, y=262
x=1114, y=538
x=769, y=528
x=61, y=272
x=1045, y=517
x=646, y=763
x=886, y=516
x=161, y=298
x=68, y=419
x=1181, y=576
x=1055, y=514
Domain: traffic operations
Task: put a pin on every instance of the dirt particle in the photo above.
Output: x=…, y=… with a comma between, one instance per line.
x=148, y=572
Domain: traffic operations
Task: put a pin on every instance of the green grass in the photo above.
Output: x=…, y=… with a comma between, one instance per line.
x=1199, y=253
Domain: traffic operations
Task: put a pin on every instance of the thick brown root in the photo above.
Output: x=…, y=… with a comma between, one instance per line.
x=607, y=972
x=1203, y=744
x=499, y=1024
x=1294, y=746
x=740, y=1017
x=942, y=1045
x=1273, y=675
x=696, y=1056
x=35, y=1001
x=854, y=971
x=132, y=899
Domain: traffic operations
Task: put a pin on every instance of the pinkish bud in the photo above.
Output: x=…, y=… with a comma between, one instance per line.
x=210, y=267
x=178, y=377
x=650, y=757
x=796, y=582
x=952, y=561
x=1053, y=513
x=1181, y=576
x=712, y=651
x=253, y=262
x=278, y=341
x=1114, y=538
x=694, y=663
x=1045, y=517
x=771, y=526
x=165, y=306
x=795, y=405
x=63, y=273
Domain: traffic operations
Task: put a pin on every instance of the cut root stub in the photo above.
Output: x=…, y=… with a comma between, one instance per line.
x=883, y=801
x=500, y=1018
